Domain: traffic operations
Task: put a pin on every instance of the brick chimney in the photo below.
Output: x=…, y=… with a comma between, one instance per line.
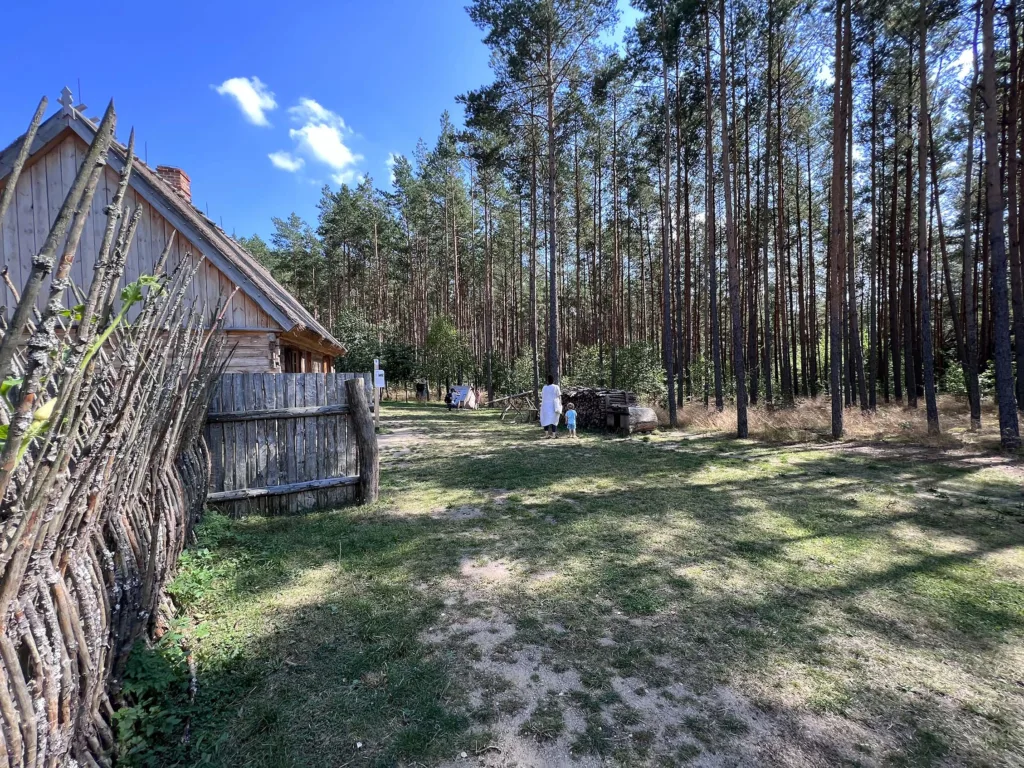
x=177, y=179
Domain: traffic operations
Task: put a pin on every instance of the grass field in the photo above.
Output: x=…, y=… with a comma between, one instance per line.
x=661, y=601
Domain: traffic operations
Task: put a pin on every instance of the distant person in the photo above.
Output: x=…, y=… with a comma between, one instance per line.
x=448, y=398
x=550, y=407
x=570, y=419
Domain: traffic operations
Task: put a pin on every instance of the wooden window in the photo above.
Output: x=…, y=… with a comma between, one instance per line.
x=291, y=360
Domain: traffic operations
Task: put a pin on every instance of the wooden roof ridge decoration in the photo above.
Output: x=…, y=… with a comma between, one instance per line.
x=224, y=252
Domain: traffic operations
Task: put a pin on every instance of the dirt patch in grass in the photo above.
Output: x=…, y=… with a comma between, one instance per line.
x=488, y=571
x=459, y=513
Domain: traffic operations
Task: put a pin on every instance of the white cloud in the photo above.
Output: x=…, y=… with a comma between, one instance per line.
x=286, y=161
x=252, y=96
x=324, y=143
x=350, y=177
x=321, y=137
x=390, y=165
x=312, y=111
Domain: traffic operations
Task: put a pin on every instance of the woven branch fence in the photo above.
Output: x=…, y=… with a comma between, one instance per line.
x=103, y=470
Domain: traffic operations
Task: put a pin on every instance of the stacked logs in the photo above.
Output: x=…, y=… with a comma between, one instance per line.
x=103, y=470
x=594, y=405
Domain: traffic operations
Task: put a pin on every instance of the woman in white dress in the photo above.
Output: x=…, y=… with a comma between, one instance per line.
x=550, y=407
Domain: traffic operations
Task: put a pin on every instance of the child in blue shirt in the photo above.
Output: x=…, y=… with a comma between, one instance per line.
x=570, y=419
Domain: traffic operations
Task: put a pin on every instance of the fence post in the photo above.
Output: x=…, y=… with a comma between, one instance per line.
x=366, y=439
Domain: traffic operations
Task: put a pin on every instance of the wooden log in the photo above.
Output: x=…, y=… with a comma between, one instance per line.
x=640, y=419
x=279, y=413
x=281, y=490
x=366, y=440
x=594, y=407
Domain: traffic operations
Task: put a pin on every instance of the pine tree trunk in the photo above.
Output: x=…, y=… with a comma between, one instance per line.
x=969, y=271
x=853, y=310
x=874, y=265
x=923, y=271
x=732, y=247
x=535, y=359
x=711, y=255
x=836, y=229
x=1014, y=220
x=910, y=379
x=554, y=359
x=782, y=252
x=815, y=376
x=1008, y=426
x=667, y=338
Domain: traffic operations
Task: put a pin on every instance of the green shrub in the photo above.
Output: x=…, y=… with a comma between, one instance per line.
x=155, y=704
x=155, y=701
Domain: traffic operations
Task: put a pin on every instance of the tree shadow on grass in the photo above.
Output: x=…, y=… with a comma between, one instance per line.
x=699, y=567
x=849, y=546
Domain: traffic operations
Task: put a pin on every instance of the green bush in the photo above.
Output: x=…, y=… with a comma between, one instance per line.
x=638, y=369
x=155, y=704
x=587, y=367
x=953, y=381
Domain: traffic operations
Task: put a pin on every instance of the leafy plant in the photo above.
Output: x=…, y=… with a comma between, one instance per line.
x=447, y=355
x=638, y=368
x=131, y=295
x=156, y=703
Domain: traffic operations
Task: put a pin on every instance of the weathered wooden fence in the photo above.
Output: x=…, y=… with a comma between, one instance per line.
x=282, y=443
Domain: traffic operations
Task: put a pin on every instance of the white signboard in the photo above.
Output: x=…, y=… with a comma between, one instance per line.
x=378, y=377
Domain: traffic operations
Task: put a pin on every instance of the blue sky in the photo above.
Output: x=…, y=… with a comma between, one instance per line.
x=260, y=102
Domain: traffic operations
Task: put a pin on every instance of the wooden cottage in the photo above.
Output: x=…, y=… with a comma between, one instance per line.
x=269, y=329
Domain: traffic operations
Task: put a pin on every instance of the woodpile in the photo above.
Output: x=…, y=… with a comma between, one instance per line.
x=593, y=406
x=103, y=470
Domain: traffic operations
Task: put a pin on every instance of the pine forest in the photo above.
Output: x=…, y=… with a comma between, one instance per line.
x=741, y=205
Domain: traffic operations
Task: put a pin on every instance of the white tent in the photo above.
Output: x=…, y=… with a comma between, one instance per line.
x=463, y=396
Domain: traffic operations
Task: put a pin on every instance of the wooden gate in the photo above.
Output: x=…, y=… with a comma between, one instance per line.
x=282, y=443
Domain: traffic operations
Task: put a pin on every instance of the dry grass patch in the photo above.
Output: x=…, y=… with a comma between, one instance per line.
x=811, y=420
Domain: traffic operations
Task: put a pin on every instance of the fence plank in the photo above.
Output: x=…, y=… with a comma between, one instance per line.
x=215, y=442
x=280, y=490
x=227, y=403
x=270, y=401
x=291, y=462
x=284, y=446
x=241, y=448
x=252, y=439
x=309, y=398
x=267, y=414
x=362, y=421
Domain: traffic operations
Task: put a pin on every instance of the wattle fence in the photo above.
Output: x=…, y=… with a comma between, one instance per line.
x=103, y=469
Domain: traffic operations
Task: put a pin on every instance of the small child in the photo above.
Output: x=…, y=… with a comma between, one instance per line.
x=570, y=419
